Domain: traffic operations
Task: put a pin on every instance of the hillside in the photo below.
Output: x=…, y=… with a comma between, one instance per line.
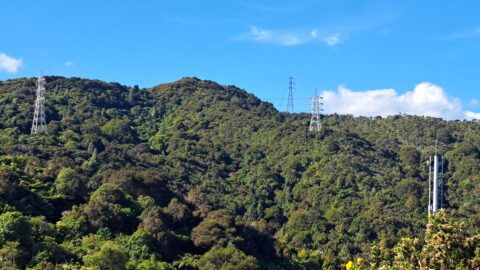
x=184, y=173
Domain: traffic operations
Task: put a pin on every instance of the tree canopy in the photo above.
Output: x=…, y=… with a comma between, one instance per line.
x=194, y=175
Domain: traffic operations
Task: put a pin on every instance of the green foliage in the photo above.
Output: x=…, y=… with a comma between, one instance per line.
x=446, y=246
x=48, y=250
x=73, y=224
x=305, y=229
x=108, y=257
x=11, y=255
x=227, y=258
x=216, y=229
x=69, y=184
x=309, y=259
x=118, y=130
x=141, y=246
x=109, y=207
x=193, y=171
x=152, y=264
x=15, y=239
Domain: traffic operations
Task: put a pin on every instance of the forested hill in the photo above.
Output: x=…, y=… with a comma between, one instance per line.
x=196, y=175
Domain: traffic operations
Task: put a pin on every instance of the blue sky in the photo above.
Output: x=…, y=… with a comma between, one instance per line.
x=366, y=57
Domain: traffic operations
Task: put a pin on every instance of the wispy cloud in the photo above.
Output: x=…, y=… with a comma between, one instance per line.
x=69, y=64
x=332, y=40
x=288, y=38
x=330, y=33
x=425, y=99
x=470, y=33
x=10, y=64
x=274, y=37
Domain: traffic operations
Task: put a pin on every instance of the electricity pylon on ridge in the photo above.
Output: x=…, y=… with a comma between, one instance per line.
x=316, y=109
x=39, y=124
x=291, y=87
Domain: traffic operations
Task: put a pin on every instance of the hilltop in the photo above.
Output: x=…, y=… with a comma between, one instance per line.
x=184, y=173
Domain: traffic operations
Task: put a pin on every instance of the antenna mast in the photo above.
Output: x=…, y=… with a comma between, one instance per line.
x=316, y=108
x=39, y=124
x=435, y=184
x=291, y=87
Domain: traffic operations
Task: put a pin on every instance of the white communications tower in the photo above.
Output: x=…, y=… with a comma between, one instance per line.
x=435, y=184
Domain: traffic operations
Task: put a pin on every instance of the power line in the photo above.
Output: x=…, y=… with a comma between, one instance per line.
x=302, y=98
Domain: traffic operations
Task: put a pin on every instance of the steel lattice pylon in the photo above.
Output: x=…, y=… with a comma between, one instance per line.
x=316, y=109
x=291, y=86
x=39, y=124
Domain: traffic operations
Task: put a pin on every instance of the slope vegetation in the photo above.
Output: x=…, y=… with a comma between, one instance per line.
x=196, y=175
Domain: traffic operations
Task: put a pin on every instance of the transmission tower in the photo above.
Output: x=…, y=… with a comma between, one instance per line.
x=39, y=124
x=316, y=109
x=291, y=87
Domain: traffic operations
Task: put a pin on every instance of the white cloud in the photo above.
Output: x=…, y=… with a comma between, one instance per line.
x=274, y=37
x=69, y=64
x=288, y=38
x=472, y=115
x=425, y=99
x=9, y=64
x=332, y=40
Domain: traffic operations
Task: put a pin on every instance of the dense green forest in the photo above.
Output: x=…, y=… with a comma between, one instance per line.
x=197, y=175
